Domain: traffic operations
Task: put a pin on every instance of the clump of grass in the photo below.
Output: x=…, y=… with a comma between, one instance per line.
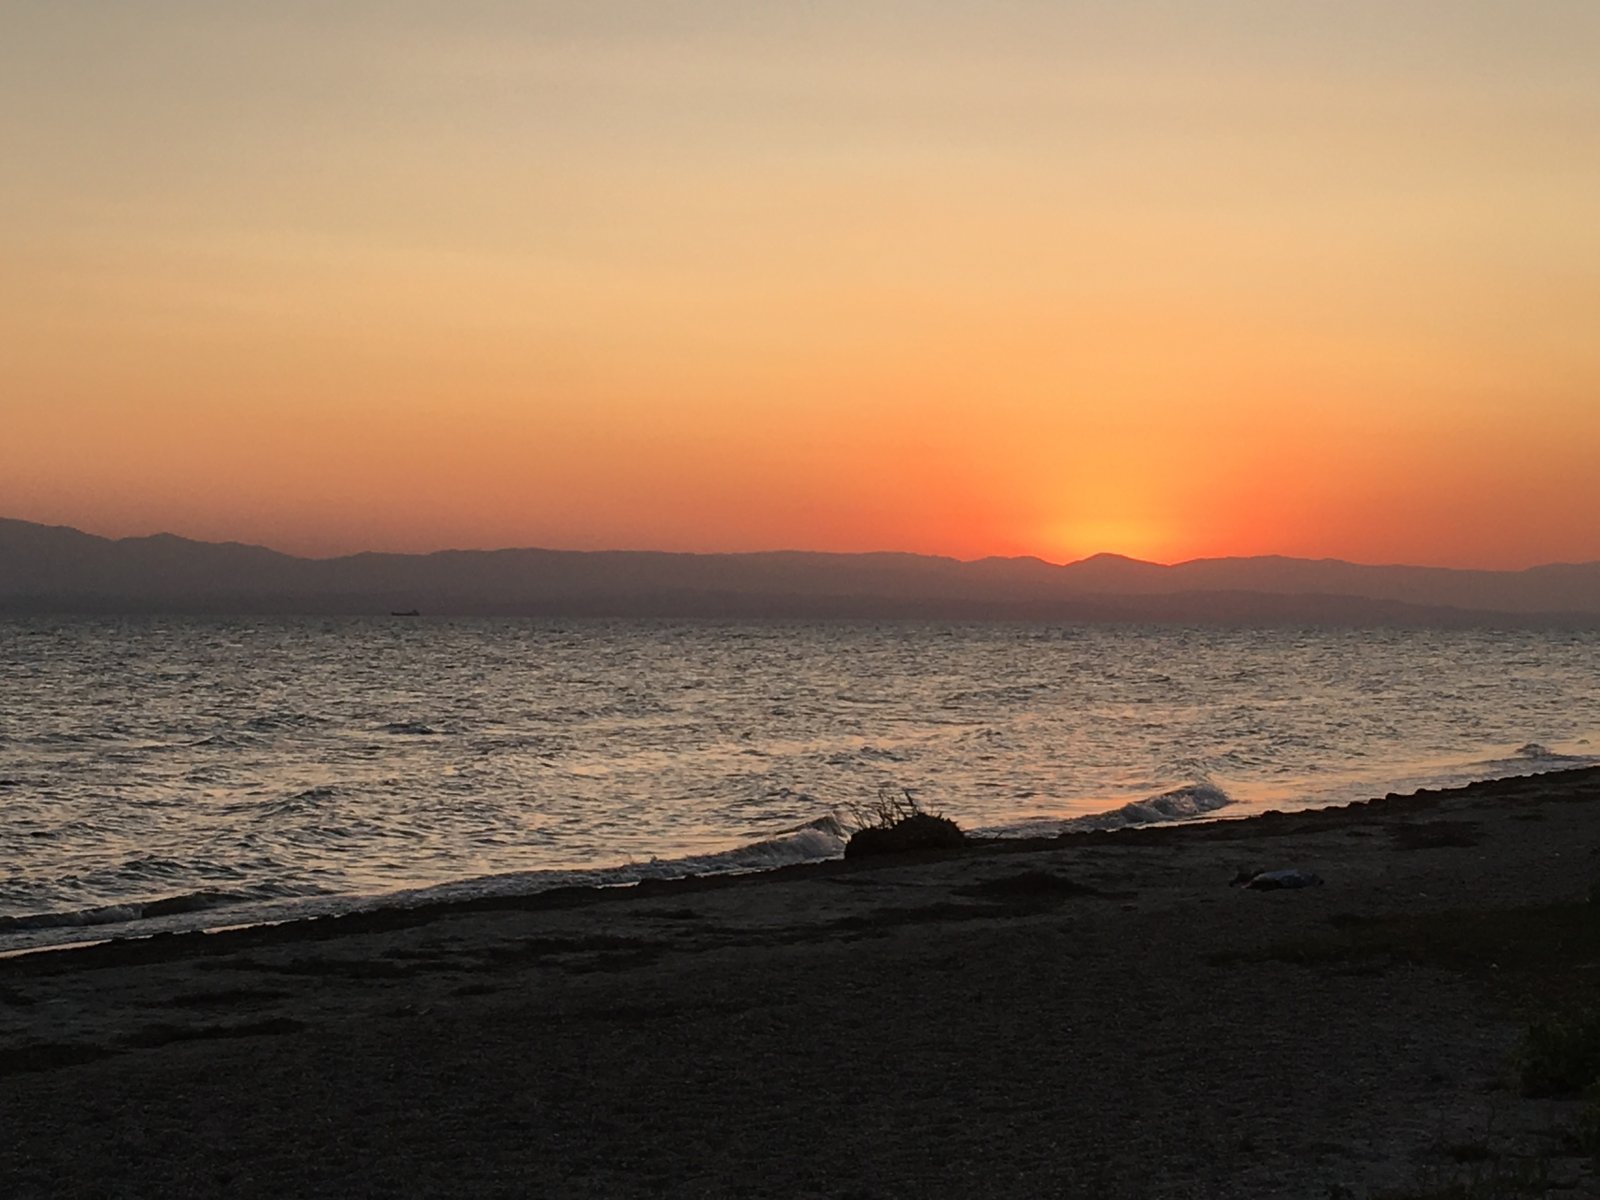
x=1560, y=1054
x=896, y=824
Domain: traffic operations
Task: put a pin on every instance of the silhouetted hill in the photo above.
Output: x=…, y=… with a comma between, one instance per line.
x=50, y=568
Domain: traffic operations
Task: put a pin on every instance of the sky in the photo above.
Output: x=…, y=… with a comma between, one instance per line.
x=1045, y=277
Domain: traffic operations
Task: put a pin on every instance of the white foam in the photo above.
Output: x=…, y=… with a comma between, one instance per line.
x=1199, y=799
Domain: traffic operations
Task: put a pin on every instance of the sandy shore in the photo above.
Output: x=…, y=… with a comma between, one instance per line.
x=1098, y=1015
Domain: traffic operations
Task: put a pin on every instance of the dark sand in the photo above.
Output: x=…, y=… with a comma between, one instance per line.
x=1101, y=1015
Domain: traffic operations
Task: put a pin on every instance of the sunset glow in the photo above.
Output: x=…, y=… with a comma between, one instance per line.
x=1157, y=279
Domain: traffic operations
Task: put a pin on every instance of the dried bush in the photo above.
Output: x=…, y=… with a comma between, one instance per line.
x=895, y=824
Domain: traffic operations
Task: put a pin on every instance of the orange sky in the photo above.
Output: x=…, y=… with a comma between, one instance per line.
x=1052, y=278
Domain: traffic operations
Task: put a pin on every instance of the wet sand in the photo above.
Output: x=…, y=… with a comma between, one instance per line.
x=1097, y=1015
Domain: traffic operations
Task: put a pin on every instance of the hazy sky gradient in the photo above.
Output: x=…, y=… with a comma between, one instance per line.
x=1169, y=279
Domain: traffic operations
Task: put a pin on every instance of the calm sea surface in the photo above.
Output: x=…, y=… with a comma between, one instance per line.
x=166, y=773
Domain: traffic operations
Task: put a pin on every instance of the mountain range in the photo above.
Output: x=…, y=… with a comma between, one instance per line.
x=47, y=568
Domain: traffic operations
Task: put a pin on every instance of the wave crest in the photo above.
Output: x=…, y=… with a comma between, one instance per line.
x=1542, y=753
x=145, y=910
x=1179, y=804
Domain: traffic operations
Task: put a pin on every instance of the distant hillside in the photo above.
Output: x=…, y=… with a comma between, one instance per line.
x=55, y=569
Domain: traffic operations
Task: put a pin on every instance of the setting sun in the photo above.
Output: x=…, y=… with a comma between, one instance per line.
x=1132, y=537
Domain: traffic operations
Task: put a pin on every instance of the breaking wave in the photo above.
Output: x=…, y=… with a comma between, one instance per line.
x=147, y=910
x=1535, y=752
x=815, y=841
x=1185, y=803
x=1180, y=804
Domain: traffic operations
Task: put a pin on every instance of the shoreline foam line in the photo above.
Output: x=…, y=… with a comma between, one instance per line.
x=820, y=840
x=379, y=918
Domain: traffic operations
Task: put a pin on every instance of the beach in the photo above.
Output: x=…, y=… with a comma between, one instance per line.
x=1101, y=1014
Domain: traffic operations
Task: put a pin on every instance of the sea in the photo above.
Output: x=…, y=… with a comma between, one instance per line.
x=167, y=774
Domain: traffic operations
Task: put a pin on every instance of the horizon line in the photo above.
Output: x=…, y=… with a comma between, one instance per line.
x=514, y=549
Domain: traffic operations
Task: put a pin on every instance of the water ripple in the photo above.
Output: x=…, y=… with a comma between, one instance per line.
x=236, y=762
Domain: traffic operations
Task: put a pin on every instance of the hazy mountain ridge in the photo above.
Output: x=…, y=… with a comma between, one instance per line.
x=55, y=568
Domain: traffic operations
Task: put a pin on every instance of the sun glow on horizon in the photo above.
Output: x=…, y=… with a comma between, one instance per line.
x=1143, y=538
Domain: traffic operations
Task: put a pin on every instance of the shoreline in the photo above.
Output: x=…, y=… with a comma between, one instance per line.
x=382, y=917
x=236, y=916
x=1097, y=1014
